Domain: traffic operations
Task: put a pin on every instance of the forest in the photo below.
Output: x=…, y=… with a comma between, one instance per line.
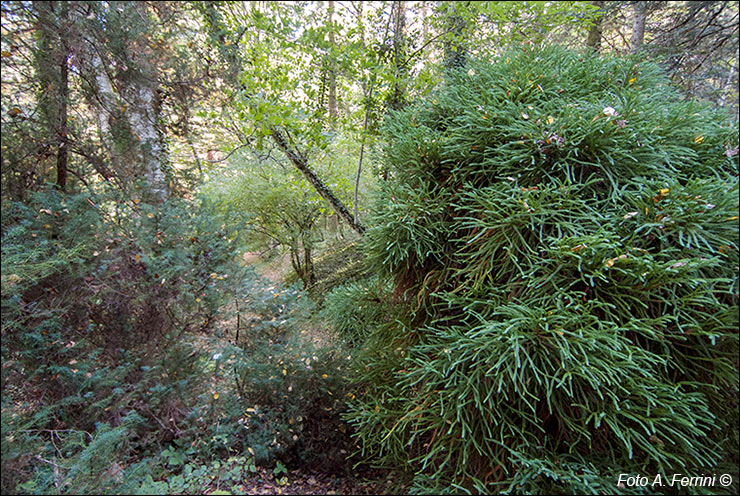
x=370, y=247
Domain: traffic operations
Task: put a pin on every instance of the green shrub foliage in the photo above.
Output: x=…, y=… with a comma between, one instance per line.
x=563, y=232
x=289, y=392
x=355, y=307
x=99, y=302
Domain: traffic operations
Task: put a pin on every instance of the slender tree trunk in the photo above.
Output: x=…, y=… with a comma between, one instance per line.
x=360, y=23
x=594, y=34
x=308, y=265
x=135, y=117
x=300, y=163
x=143, y=119
x=51, y=60
x=333, y=111
x=399, y=53
x=195, y=155
x=362, y=153
x=455, y=50
x=367, y=89
x=63, y=147
x=638, y=26
x=724, y=91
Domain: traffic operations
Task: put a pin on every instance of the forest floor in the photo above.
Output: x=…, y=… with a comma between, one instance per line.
x=299, y=481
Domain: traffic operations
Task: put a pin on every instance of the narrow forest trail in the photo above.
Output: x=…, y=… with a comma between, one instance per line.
x=314, y=335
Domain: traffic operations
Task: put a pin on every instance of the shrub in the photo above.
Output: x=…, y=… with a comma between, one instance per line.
x=289, y=392
x=354, y=308
x=563, y=229
x=96, y=300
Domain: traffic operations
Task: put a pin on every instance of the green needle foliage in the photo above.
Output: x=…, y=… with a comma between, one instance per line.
x=562, y=231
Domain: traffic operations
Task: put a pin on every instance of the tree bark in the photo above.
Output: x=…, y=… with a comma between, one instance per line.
x=594, y=34
x=333, y=111
x=300, y=163
x=143, y=119
x=638, y=26
x=399, y=52
x=308, y=270
x=455, y=51
x=51, y=59
x=63, y=147
x=128, y=118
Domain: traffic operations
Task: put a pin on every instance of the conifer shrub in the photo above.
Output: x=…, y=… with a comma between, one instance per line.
x=98, y=302
x=562, y=231
x=289, y=391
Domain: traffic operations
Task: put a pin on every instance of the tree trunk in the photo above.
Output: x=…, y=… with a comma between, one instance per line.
x=594, y=34
x=51, y=60
x=129, y=126
x=455, y=51
x=333, y=111
x=143, y=119
x=728, y=84
x=399, y=52
x=300, y=163
x=638, y=27
x=63, y=148
x=310, y=277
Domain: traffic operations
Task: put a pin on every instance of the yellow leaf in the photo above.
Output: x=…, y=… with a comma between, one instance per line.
x=251, y=451
x=5, y=54
x=550, y=119
x=324, y=376
x=215, y=396
x=150, y=215
x=734, y=217
x=699, y=140
x=285, y=372
x=664, y=191
x=632, y=81
x=137, y=257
